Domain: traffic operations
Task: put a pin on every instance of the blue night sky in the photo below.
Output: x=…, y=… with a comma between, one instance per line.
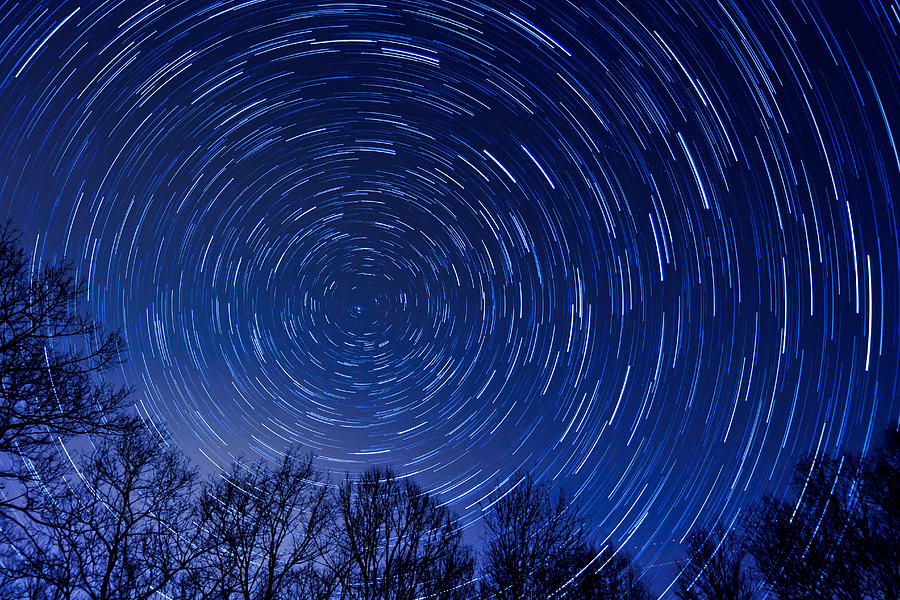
x=644, y=250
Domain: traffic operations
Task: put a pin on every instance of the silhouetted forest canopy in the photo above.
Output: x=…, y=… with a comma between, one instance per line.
x=97, y=504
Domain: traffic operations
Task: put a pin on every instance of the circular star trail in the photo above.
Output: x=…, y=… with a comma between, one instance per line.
x=645, y=250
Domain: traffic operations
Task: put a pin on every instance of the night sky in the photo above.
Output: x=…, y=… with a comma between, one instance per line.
x=644, y=250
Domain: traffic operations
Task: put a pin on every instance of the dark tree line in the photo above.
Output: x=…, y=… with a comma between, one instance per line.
x=95, y=504
x=837, y=537
x=537, y=548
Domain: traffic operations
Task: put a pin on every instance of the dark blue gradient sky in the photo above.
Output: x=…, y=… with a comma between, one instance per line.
x=645, y=250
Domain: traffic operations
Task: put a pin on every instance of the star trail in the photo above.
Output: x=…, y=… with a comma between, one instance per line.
x=644, y=250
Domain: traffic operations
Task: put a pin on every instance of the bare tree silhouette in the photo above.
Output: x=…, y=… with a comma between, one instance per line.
x=265, y=534
x=880, y=496
x=607, y=574
x=809, y=549
x=51, y=360
x=534, y=541
x=396, y=542
x=715, y=567
x=118, y=526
